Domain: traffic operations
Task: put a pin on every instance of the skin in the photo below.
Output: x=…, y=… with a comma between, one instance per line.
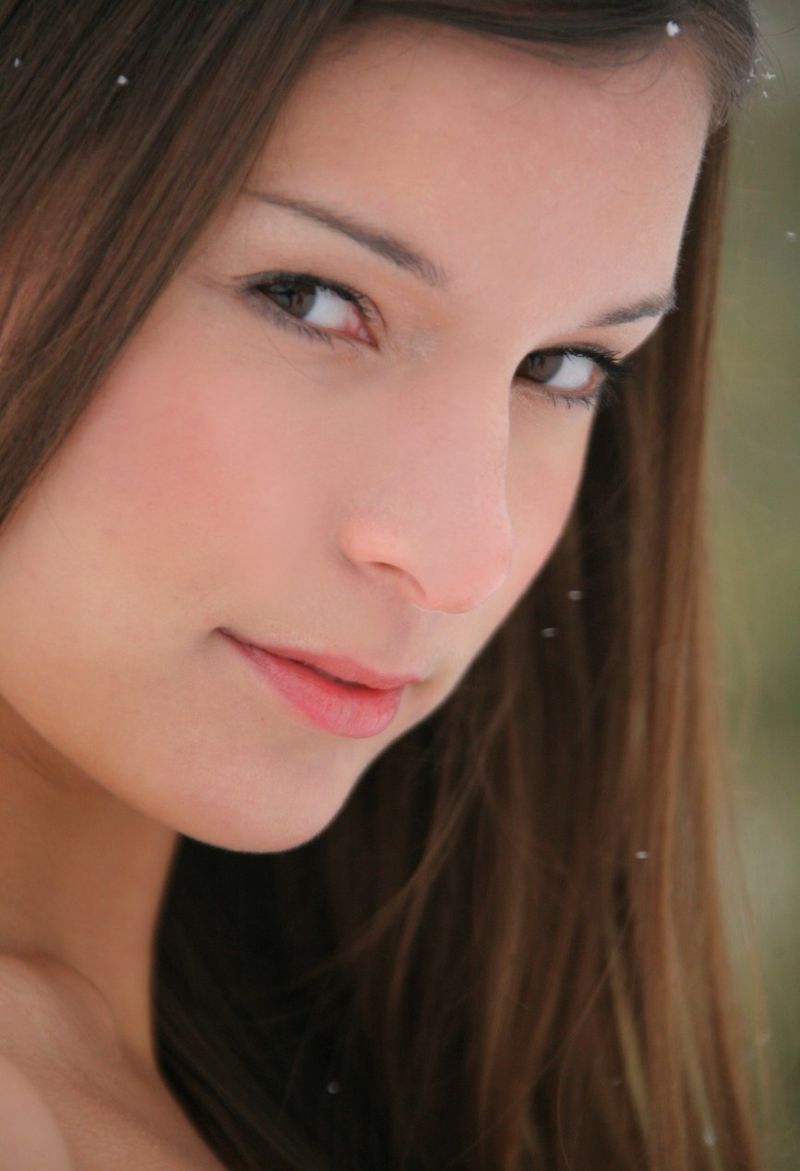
x=391, y=499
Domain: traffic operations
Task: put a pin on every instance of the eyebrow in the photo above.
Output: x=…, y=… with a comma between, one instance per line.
x=655, y=306
x=404, y=256
x=382, y=243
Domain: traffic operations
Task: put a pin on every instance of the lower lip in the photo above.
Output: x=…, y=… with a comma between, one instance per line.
x=345, y=709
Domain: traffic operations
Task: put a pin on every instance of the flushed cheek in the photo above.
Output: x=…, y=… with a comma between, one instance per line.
x=545, y=469
x=536, y=534
x=538, y=528
x=539, y=506
x=157, y=476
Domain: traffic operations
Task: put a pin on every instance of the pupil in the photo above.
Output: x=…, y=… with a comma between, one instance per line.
x=296, y=297
x=542, y=367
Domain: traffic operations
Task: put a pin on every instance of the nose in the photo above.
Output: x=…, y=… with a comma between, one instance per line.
x=430, y=517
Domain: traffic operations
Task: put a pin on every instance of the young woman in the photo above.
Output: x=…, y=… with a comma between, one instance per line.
x=360, y=792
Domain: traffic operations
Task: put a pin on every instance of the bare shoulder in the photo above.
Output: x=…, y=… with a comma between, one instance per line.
x=68, y=1099
x=41, y=1002
x=24, y=981
x=26, y=1006
x=30, y=1138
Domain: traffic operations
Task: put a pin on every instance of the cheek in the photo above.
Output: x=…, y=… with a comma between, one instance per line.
x=107, y=568
x=114, y=572
x=543, y=484
x=545, y=471
x=163, y=482
x=544, y=477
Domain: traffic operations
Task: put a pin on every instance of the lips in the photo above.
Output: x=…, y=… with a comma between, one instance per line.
x=324, y=674
x=342, y=707
x=348, y=682
x=342, y=668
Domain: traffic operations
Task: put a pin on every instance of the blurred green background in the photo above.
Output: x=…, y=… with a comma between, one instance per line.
x=755, y=534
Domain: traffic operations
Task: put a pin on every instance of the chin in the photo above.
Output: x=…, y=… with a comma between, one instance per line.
x=254, y=839
x=273, y=823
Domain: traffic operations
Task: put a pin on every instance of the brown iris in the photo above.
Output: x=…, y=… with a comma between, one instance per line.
x=542, y=367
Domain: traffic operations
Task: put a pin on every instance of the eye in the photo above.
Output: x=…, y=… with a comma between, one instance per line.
x=562, y=370
x=571, y=376
x=314, y=307
x=332, y=312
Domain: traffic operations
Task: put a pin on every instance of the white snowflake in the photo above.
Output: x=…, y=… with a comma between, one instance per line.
x=709, y=1138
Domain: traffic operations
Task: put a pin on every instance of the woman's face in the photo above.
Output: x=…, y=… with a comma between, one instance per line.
x=386, y=491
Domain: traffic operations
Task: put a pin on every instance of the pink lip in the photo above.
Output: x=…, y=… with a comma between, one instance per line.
x=342, y=667
x=347, y=709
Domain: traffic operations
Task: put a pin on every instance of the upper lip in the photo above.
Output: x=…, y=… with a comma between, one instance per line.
x=341, y=666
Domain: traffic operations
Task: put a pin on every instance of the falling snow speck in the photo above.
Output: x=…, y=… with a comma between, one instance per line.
x=122, y=79
x=17, y=62
x=333, y=1087
x=673, y=28
x=575, y=595
x=709, y=1138
x=791, y=237
x=549, y=632
x=642, y=854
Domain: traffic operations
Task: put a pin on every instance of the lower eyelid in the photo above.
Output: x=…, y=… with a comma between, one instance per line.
x=265, y=306
x=288, y=323
x=610, y=371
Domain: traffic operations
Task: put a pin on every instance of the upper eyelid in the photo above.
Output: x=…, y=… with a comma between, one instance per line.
x=607, y=358
x=336, y=286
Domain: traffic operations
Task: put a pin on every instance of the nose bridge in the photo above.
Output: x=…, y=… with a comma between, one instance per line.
x=433, y=509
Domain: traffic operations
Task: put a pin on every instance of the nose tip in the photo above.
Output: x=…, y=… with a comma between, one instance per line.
x=430, y=511
x=454, y=574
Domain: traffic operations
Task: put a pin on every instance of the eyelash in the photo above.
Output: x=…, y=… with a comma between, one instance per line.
x=614, y=369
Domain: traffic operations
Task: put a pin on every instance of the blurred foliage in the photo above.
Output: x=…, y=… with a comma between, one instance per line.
x=756, y=546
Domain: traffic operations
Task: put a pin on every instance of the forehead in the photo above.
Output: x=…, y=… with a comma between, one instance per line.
x=497, y=160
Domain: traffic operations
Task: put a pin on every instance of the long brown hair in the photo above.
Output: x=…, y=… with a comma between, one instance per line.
x=507, y=952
